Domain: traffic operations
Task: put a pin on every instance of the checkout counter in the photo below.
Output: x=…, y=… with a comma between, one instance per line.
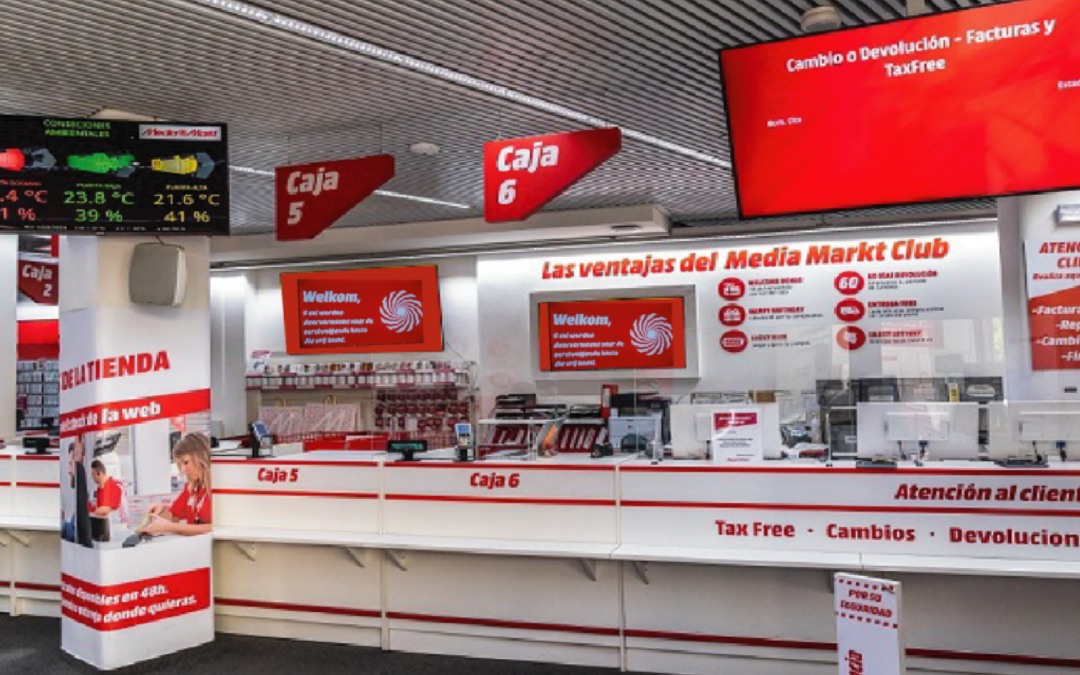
x=29, y=531
x=647, y=564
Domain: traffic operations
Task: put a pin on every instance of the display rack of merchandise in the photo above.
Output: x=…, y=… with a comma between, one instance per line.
x=38, y=390
x=384, y=397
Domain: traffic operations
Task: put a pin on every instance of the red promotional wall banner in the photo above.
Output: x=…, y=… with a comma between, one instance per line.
x=39, y=281
x=960, y=104
x=1053, y=291
x=308, y=198
x=612, y=334
x=121, y=606
x=391, y=309
x=522, y=175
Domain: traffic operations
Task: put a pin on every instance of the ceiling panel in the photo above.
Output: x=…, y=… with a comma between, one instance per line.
x=647, y=65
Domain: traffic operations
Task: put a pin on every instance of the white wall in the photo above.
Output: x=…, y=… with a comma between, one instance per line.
x=966, y=335
x=9, y=293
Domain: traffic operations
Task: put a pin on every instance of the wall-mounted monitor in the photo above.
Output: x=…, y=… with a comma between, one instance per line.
x=945, y=106
x=375, y=310
x=612, y=334
x=91, y=176
x=588, y=335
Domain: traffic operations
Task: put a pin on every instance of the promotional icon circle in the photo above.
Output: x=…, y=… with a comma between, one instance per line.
x=851, y=338
x=850, y=283
x=732, y=315
x=734, y=341
x=850, y=310
x=732, y=288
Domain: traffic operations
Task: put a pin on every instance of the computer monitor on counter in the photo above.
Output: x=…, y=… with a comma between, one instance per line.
x=1030, y=429
x=913, y=430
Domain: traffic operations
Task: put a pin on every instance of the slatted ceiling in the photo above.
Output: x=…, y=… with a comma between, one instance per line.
x=649, y=65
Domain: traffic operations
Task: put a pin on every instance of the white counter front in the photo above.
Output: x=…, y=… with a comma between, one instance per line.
x=973, y=509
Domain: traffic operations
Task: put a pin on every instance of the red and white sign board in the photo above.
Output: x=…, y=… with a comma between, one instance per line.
x=39, y=281
x=959, y=513
x=390, y=309
x=1053, y=291
x=522, y=175
x=134, y=390
x=639, y=333
x=737, y=436
x=864, y=293
x=308, y=198
x=868, y=625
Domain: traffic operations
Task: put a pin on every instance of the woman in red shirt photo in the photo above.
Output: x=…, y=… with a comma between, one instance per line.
x=191, y=512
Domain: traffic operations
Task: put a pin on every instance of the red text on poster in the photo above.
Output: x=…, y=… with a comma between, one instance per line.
x=110, y=608
x=1053, y=289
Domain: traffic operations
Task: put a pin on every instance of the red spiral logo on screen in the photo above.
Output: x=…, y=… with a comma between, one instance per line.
x=401, y=311
x=651, y=334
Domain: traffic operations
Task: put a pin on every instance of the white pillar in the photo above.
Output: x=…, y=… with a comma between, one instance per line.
x=9, y=294
x=134, y=378
x=228, y=302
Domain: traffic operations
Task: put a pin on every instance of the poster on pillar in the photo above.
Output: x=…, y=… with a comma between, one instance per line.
x=522, y=175
x=1053, y=291
x=136, y=499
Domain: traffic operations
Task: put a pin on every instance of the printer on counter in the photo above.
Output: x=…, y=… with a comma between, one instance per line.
x=639, y=421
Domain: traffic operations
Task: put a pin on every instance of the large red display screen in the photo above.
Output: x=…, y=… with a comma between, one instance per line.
x=980, y=102
x=640, y=333
x=393, y=309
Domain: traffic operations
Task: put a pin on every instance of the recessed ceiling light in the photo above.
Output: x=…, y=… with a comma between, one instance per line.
x=424, y=149
x=820, y=19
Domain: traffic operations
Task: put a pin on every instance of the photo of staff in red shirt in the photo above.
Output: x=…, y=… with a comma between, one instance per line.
x=109, y=494
x=191, y=512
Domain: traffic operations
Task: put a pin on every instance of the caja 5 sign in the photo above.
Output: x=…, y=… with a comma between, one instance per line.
x=522, y=175
x=311, y=197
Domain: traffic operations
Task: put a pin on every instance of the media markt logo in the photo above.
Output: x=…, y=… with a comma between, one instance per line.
x=178, y=132
x=401, y=311
x=651, y=334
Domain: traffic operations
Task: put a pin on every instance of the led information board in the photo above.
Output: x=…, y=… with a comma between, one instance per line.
x=974, y=103
x=88, y=176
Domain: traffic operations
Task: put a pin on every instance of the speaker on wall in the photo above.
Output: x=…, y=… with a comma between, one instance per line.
x=158, y=275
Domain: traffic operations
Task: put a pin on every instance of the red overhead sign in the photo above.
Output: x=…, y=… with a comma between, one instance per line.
x=612, y=334
x=393, y=309
x=39, y=281
x=309, y=198
x=522, y=175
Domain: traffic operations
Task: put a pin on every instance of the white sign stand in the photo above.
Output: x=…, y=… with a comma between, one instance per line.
x=868, y=624
x=737, y=435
